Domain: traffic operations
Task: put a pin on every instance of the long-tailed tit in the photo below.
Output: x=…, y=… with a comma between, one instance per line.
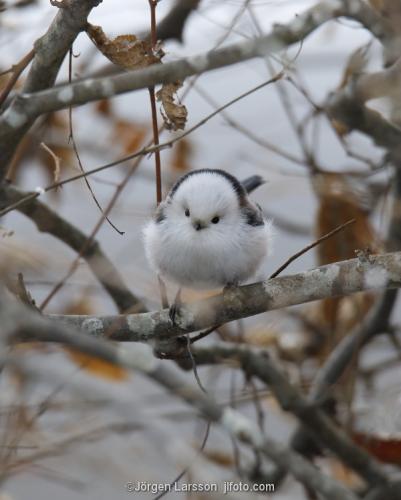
x=207, y=233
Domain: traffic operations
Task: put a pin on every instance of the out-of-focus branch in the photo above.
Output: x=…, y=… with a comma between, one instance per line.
x=17, y=69
x=341, y=278
x=343, y=107
x=384, y=83
x=172, y=25
x=50, y=51
x=376, y=322
x=50, y=222
x=29, y=326
x=26, y=107
x=257, y=362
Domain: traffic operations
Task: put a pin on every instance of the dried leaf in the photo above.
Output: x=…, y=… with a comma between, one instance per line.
x=262, y=337
x=104, y=107
x=340, y=127
x=97, y=366
x=84, y=306
x=56, y=120
x=182, y=153
x=343, y=474
x=125, y=51
x=377, y=4
x=219, y=457
x=387, y=450
x=129, y=134
x=175, y=115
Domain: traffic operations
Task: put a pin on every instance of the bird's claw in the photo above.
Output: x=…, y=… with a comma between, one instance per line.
x=173, y=312
x=175, y=307
x=230, y=287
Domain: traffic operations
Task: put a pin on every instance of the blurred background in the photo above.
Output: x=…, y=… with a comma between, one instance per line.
x=315, y=181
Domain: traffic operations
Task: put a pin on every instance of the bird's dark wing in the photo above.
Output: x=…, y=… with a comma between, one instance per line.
x=159, y=215
x=253, y=214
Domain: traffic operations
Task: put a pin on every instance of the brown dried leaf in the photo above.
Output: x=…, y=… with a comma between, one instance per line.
x=386, y=450
x=175, y=115
x=340, y=127
x=261, y=336
x=219, y=457
x=129, y=134
x=182, y=153
x=84, y=306
x=104, y=107
x=97, y=366
x=125, y=51
x=343, y=474
x=57, y=120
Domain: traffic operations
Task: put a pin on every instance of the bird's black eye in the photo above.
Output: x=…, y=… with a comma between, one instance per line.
x=215, y=220
x=186, y=212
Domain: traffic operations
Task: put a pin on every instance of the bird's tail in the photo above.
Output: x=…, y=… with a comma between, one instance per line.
x=253, y=182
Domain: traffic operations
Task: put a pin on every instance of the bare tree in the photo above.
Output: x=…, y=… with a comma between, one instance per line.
x=317, y=375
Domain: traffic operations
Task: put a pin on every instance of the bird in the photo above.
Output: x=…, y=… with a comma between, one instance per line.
x=207, y=233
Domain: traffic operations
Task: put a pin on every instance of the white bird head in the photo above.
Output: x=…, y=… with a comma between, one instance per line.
x=205, y=201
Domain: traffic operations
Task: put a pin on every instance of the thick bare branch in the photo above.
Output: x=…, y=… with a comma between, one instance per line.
x=257, y=362
x=337, y=279
x=29, y=326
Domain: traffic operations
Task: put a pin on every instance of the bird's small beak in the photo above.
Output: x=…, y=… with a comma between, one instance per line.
x=198, y=225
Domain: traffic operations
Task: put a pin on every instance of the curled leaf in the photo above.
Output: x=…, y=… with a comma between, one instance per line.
x=174, y=115
x=125, y=51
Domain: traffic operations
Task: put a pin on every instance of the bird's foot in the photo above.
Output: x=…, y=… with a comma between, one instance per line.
x=230, y=287
x=175, y=307
x=174, y=312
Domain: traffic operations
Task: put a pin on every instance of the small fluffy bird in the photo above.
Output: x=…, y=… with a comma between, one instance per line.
x=207, y=233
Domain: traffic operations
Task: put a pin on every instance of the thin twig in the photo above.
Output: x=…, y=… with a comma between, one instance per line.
x=17, y=69
x=153, y=36
x=148, y=149
x=310, y=246
x=203, y=334
x=182, y=473
x=75, y=263
x=56, y=159
x=71, y=139
x=194, y=368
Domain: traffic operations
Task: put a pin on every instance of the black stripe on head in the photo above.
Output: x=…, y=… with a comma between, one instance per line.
x=235, y=183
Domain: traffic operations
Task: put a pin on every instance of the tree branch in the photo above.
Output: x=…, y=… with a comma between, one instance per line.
x=257, y=362
x=50, y=51
x=50, y=222
x=26, y=107
x=29, y=326
x=341, y=278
